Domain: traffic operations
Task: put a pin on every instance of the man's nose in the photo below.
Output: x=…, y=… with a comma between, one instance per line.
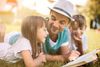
x=56, y=23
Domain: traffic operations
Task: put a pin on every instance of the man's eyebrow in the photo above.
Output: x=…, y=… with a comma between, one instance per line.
x=62, y=20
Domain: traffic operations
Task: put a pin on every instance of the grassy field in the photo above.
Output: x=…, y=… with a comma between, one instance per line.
x=93, y=39
x=93, y=43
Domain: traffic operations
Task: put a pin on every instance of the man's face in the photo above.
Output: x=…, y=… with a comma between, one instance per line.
x=57, y=22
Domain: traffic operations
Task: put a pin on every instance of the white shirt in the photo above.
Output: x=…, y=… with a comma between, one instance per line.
x=11, y=37
x=84, y=42
x=52, y=43
x=11, y=53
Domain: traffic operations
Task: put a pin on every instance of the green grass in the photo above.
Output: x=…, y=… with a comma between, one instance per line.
x=93, y=43
x=6, y=64
x=93, y=39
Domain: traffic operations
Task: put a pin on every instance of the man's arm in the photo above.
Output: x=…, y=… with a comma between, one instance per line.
x=63, y=56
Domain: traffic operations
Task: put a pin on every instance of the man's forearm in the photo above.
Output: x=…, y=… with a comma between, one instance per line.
x=55, y=58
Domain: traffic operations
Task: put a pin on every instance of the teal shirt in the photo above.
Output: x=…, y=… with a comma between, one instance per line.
x=62, y=38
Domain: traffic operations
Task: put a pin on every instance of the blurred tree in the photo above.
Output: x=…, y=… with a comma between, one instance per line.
x=93, y=8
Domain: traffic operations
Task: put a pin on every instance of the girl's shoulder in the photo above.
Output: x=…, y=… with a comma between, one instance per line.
x=23, y=40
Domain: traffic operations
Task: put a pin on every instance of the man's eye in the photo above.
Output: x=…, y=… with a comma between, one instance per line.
x=53, y=19
x=62, y=22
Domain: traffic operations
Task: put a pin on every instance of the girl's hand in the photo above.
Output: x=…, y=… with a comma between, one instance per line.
x=42, y=57
x=74, y=54
x=76, y=36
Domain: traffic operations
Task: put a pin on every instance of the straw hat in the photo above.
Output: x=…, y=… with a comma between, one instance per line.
x=64, y=7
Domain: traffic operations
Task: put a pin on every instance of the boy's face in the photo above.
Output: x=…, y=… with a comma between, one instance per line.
x=57, y=22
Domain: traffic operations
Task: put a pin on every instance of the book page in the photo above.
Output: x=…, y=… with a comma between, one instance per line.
x=86, y=58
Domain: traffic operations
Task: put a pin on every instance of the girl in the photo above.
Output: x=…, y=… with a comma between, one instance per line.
x=78, y=37
x=28, y=45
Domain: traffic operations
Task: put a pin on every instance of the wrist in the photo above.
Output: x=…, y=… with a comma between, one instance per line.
x=38, y=61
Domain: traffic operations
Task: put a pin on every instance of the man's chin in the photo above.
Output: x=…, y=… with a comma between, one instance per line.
x=55, y=32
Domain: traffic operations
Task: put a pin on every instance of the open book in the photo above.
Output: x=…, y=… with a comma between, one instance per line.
x=86, y=58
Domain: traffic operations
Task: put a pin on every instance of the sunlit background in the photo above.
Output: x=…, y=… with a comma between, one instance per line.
x=21, y=8
x=13, y=11
x=38, y=5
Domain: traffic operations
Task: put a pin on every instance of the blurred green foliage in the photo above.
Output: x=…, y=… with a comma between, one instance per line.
x=93, y=8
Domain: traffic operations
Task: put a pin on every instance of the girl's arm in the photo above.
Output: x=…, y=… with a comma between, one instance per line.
x=29, y=61
x=78, y=41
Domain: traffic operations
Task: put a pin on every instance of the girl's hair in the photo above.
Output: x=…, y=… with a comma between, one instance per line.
x=29, y=30
x=80, y=21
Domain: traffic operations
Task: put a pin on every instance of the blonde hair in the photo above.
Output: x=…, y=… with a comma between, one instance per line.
x=29, y=30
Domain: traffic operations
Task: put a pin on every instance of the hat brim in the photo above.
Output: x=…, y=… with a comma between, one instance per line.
x=60, y=12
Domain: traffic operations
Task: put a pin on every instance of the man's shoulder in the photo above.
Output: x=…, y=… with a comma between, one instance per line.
x=66, y=31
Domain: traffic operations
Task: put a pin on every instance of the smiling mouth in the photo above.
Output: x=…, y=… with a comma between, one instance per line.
x=54, y=29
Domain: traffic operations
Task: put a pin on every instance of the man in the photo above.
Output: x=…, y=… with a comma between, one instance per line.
x=57, y=47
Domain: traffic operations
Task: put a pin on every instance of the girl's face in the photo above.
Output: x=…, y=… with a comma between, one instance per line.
x=41, y=34
x=78, y=32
